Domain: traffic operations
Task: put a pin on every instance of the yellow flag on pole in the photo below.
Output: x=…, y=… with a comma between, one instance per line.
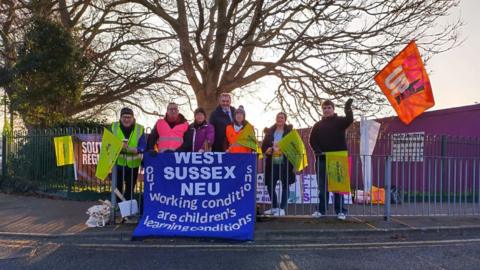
x=109, y=152
x=259, y=152
x=247, y=137
x=7, y=131
x=6, y=127
x=337, y=171
x=293, y=148
x=63, y=150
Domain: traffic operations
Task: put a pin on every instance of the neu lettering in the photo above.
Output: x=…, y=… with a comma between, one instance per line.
x=200, y=189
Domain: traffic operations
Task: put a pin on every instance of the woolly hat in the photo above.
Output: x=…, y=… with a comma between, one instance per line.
x=126, y=111
x=241, y=110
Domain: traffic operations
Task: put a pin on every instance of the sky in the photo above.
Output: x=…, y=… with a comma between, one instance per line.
x=453, y=74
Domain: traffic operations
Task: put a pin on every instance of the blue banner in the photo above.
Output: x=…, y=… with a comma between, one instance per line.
x=199, y=195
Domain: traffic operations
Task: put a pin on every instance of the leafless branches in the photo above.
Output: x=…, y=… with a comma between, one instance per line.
x=315, y=49
x=308, y=50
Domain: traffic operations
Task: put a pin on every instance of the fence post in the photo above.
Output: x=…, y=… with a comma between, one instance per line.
x=4, y=156
x=113, y=196
x=70, y=170
x=69, y=181
x=443, y=148
x=388, y=187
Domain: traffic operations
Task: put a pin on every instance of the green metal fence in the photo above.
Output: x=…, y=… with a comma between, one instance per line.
x=29, y=164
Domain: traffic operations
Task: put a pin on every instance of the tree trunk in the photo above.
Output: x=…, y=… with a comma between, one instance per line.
x=207, y=101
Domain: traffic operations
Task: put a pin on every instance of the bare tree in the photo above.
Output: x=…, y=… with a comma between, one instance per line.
x=10, y=30
x=311, y=50
x=126, y=51
x=306, y=50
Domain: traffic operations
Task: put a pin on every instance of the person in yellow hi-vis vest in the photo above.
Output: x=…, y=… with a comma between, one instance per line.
x=134, y=143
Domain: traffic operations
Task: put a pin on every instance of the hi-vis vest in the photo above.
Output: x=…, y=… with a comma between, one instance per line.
x=170, y=138
x=129, y=159
x=232, y=141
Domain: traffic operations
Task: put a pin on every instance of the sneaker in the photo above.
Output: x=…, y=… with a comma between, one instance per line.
x=271, y=212
x=317, y=214
x=341, y=216
x=280, y=212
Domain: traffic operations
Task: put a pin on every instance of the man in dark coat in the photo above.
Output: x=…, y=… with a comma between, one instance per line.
x=329, y=135
x=220, y=118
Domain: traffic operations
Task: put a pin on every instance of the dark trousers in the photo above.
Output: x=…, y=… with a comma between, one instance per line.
x=323, y=190
x=271, y=183
x=127, y=176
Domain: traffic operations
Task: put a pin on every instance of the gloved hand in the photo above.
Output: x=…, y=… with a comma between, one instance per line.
x=348, y=104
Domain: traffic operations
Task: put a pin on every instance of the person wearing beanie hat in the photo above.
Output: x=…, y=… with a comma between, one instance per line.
x=233, y=130
x=126, y=110
x=129, y=160
x=200, y=134
x=241, y=110
x=220, y=118
x=167, y=134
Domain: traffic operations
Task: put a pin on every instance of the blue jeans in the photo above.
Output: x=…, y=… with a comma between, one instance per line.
x=323, y=190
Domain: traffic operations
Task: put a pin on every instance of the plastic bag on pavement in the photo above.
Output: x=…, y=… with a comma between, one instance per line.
x=99, y=214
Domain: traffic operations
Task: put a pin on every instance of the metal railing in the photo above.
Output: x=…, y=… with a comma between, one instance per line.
x=383, y=186
x=28, y=164
x=419, y=174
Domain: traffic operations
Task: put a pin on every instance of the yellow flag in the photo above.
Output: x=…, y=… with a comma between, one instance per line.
x=6, y=127
x=259, y=152
x=293, y=148
x=247, y=137
x=111, y=147
x=63, y=150
x=337, y=171
x=7, y=131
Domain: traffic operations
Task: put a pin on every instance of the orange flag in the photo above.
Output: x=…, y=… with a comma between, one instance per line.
x=405, y=83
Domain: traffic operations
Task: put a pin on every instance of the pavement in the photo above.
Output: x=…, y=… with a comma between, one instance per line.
x=40, y=217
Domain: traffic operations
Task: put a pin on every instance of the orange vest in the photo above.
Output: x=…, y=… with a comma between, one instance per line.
x=170, y=138
x=232, y=141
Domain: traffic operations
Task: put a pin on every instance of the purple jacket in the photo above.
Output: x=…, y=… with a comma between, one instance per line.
x=195, y=137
